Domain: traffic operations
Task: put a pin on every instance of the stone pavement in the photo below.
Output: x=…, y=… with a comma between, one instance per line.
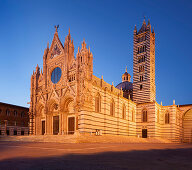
x=32, y=155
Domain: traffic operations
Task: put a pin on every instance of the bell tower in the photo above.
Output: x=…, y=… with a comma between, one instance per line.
x=144, y=89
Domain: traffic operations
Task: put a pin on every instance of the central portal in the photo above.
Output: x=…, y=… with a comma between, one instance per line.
x=55, y=125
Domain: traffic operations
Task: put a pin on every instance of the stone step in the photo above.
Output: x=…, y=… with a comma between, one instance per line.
x=84, y=138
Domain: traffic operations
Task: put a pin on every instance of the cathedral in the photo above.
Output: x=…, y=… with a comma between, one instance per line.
x=68, y=99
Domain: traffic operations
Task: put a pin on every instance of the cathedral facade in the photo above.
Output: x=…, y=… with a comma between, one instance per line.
x=66, y=98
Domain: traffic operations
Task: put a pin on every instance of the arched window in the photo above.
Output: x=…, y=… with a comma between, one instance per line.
x=7, y=112
x=15, y=113
x=112, y=108
x=167, y=118
x=144, y=115
x=133, y=115
x=98, y=103
x=158, y=116
x=22, y=114
x=124, y=112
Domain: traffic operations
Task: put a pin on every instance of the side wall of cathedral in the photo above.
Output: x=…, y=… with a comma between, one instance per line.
x=116, y=115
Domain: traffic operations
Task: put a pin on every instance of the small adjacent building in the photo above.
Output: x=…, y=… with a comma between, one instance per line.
x=13, y=119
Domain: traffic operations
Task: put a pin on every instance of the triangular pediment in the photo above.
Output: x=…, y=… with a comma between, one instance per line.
x=56, y=48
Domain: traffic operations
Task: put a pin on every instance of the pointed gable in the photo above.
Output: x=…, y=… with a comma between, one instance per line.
x=56, y=48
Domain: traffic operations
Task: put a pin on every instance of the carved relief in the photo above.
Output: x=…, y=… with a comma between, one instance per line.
x=56, y=51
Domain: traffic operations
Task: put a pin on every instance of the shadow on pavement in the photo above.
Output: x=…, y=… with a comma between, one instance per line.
x=167, y=159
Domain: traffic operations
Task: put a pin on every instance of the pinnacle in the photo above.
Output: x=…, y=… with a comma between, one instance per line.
x=144, y=21
x=83, y=44
x=148, y=21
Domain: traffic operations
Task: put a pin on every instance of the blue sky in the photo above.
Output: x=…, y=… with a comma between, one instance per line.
x=107, y=26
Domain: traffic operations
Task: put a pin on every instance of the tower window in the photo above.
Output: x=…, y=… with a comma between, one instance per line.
x=167, y=118
x=141, y=87
x=144, y=115
x=141, y=59
x=141, y=49
x=141, y=68
x=141, y=78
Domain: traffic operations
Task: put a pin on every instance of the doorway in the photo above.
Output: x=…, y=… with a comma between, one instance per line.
x=55, y=125
x=71, y=125
x=144, y=133
x=43, y=127
x=187, y=127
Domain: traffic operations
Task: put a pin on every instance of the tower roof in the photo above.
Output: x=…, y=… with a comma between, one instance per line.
x=143, y=27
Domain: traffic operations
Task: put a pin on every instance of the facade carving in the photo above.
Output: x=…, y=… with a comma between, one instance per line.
x=66, y=97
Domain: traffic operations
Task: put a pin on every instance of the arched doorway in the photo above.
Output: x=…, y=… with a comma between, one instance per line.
x=187, y=127
x=56, y=118
x=68, y=115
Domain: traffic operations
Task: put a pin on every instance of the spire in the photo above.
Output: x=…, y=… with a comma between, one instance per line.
x=69, y=30
x=148, y=22
x=153, y=30
x=83, y=44
x=135, y=28
x=47, y=44
x=37, y=69
x=144, y=21
x=126, y=76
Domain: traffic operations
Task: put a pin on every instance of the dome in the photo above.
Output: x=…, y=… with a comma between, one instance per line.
x=125, y=86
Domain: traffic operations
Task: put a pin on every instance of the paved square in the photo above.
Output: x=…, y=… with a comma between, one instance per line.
x=26, y=155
